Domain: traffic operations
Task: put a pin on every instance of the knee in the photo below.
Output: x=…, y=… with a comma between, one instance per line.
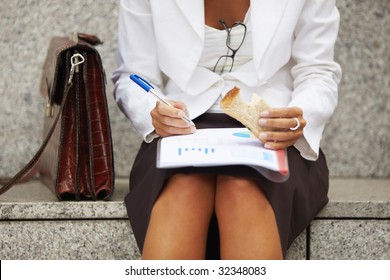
x=187, y=191
x=238, y=193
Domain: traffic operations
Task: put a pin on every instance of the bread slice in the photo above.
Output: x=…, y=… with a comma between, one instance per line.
x=246, y=113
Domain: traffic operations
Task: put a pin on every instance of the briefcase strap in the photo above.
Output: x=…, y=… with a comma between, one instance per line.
x=29, y=170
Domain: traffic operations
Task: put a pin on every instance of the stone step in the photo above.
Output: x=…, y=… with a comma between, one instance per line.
x=35, y=225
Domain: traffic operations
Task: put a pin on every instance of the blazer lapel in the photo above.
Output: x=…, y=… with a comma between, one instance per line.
x=266, y=16
x=193, y=11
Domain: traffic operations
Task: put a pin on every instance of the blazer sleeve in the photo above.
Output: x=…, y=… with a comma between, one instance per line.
x=136, y=54
x=316, y=75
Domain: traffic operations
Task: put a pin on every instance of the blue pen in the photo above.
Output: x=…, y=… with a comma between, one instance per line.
x=149, y=88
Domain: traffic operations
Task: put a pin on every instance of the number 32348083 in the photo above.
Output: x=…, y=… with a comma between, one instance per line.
x=242, y=270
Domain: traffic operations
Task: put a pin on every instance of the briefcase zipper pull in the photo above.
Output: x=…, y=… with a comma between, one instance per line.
x=75, y=61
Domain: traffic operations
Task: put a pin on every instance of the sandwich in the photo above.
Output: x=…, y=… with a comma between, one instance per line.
x=246, y=113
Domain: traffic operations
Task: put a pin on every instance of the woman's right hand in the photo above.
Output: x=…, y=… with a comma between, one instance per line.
x=168, y=120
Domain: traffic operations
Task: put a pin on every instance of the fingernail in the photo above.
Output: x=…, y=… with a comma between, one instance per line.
x=262, y=122
x=264, y=114
x=193, y=129
x=263, y=135
x=267, y=146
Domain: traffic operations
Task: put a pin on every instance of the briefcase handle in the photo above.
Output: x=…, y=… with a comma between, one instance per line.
x=29, y=170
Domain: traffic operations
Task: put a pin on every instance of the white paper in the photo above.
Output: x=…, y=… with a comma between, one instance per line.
x=222, y=146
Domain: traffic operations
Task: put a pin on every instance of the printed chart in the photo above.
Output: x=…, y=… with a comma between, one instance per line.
x=223, y=146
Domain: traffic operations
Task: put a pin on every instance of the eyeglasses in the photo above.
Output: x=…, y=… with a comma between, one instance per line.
x=222, y=62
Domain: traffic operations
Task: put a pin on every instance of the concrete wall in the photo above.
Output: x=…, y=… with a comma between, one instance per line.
x=356, y=142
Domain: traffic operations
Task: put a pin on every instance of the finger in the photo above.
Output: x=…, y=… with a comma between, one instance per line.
x=282, y=123
x=163, y=122
x=287, y=112
x=164, y=130
x=278, y=145
x=166, y=122
x=280, y=136
x=179, y=105
x=168, y=111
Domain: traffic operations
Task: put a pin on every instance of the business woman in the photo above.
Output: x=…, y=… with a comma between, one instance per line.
x=194, y=52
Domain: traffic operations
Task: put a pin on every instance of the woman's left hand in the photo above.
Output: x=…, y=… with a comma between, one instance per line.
x=283, y=127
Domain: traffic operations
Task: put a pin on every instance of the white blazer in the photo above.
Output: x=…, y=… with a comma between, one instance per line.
x=292, y=64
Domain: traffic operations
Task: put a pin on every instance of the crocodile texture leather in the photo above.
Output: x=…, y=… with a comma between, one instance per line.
x=78, y=161
x=75, y=159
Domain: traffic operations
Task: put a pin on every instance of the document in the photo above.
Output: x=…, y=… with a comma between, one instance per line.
x=222, y=146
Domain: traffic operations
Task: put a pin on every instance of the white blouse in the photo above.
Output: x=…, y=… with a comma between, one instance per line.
x=215, y=46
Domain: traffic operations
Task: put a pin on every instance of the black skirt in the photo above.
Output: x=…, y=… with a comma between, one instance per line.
x=295, y=202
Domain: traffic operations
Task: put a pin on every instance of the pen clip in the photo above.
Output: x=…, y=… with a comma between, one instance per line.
x=141, y=82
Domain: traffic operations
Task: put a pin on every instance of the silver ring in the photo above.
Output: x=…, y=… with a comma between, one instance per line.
x=297, y=126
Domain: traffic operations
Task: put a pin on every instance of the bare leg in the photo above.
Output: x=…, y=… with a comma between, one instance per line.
x=246, y=220
x=180, y=218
